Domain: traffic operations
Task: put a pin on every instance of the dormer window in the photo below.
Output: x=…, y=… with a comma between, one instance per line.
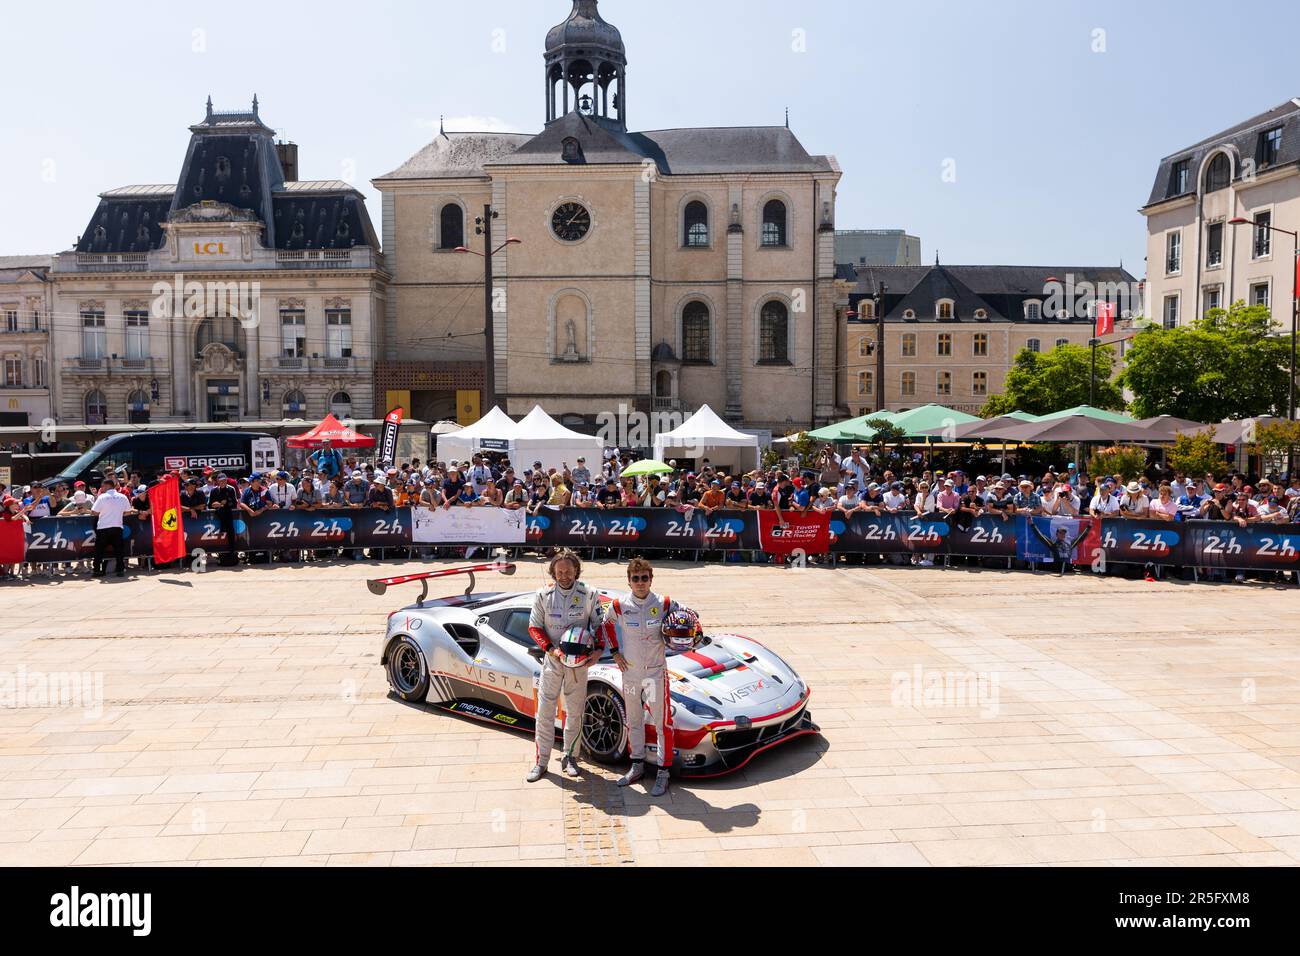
x=1033, y=311
x=1219, y=174
x=943, y=309
x=909, y=314
x=981, y=314
x=1178, y=178
x=1270, y=145
x=571, y=150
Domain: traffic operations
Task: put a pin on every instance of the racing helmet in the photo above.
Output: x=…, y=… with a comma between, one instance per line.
x=681, y=631
x=577, y=646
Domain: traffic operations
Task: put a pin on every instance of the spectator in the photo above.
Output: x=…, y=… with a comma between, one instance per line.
x=1165, y=507
x=193, y=501
x=714, y=498
x=356, y=491
x=491, y=496
x=11, y=510
x=309, y=493
x=479, y=475
x=560, y=496
x=824, y=503
x=282, y=494
x=948, y=501
x=1104, y=503
x=333, y=496
x=609, y=496
x=1134, y=503
x=894, y=500
x=111, y=507
x=737, y=497
x=254, y=500
x=581, y=473
x=517, y=497
x=380, y=496
x=224, y=501
x=1026, y=500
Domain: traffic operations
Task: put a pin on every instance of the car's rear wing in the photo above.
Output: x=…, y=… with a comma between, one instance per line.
x=380, y=585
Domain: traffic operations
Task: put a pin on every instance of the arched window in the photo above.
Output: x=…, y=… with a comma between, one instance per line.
x=696, y=344
x=295, y=402
x=774, y=334
x=696, y=225
x=96, y=408
x=774, y=223
x=663, y=385
x=341, y=405
x=1033, y=345
x=137, y=407
x=1219, y=173
x=223, y=329
x=909, y=345
x=867, y=310
x=909, y=383
x=451, y=226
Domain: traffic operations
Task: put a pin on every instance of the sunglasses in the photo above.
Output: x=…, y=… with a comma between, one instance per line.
x=639, y=578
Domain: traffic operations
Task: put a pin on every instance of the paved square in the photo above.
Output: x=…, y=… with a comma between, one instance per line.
x=968, y=718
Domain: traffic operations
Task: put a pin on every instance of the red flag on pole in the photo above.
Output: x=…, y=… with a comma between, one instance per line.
x=13, y=541
x=1105, y=318
x=165, y=512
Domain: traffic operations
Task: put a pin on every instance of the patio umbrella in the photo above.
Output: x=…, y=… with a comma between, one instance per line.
x=1235, y=433
x=975, y=429
x=853, y=429
x=930, y=420
x=647, y=466
x=1100, y=414
x=1165, y=427
x=1075, y=428
x=333, y=431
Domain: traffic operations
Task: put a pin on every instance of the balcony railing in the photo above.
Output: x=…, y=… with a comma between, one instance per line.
x=322, y=258
x=83, y=363
x=112, y=261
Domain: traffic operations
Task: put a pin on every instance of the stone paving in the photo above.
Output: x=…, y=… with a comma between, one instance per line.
x=240, y=716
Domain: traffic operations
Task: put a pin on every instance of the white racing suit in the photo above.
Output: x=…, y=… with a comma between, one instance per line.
x=637, y=629
x=554, y=611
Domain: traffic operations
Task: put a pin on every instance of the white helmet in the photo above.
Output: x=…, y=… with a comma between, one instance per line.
x=577, y=646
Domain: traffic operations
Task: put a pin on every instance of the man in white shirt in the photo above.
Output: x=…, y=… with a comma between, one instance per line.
x=857, y=467
x=479, y=475
x=895, y=500
x=1104, y=503
x=281, y=492
x=111, y=506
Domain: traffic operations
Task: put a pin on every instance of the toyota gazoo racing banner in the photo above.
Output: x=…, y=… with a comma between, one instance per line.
x=657, y=528
x=1226, y=544
x=798, y=532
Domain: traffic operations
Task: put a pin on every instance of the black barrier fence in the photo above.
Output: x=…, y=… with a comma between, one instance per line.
x=1198, y=544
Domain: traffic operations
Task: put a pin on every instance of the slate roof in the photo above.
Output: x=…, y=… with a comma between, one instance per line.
x=21, y=264
x=1000, y=290
x=1244, y=140
x=458, y=155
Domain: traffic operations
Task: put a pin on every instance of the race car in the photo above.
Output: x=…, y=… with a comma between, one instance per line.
x=471, y=655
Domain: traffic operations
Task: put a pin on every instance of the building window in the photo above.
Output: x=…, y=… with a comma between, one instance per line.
x=1060, y=342
x=865, y=383
x=909, y=314
x=1173, y=253
x=774, y=223
x=1033, y=311
x=13, y=371
x=1214, y=245
x=137, y=335
x=1263, y=245
x=696, y=225
x=979, y=383
x=341, y=405
x=943, y=309
x=867, y=309
x=696, y=344
x=96, y=408
x=293, y=333
x=451, y=226
x=94, y=337
x=909, y=383
x=1270, y=143
x=222, y=329
x=909, y=345
x=137, y=407
x=295, y=401
x=981, y=343
x=774, y=334
x=11, y=320
x=36, y=320
x=864, y=347
x=981, y=314
x=1034, y=345
x=1171, y=312
x=1213, y=298
x=944, y=344
x=1259, y=294
x=38, y=371
x=943, y=385
x=338, y=333
x=1178, y=178
x=1219, y=173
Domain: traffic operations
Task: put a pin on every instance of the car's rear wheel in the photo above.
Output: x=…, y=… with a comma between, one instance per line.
x=604, y=725
x=408, y=674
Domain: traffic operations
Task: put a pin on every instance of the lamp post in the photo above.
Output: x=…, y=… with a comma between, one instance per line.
x=483, y=227
x=1295, y=322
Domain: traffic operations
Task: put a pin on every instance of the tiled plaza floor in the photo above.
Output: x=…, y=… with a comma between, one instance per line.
x=967, y=717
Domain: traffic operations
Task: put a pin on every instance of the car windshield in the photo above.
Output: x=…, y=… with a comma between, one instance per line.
x=86, y=459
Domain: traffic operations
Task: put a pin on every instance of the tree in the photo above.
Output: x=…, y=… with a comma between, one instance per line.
x=1226, y=365
x=1041, y=383
x=1127, y=461
x=1197, y=455
x=1276, y=441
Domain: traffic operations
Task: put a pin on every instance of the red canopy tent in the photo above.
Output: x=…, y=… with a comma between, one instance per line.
x=333, y=431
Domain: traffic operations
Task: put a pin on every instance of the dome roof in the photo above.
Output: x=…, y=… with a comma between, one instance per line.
x=584, y=29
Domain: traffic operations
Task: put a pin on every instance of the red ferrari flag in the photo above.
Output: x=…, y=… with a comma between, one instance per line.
x=165, y=512
x=13, y=541
x=1105, y=318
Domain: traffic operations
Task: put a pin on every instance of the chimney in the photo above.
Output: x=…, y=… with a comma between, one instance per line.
x=288, y=153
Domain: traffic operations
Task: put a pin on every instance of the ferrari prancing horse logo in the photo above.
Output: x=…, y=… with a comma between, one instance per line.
x=169, y=520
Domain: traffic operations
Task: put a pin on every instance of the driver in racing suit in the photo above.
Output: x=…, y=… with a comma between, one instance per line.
x=557, y=607
x=638, y=645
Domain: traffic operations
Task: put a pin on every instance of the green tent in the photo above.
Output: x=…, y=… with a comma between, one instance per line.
x=1100, y=414
x=924, y=421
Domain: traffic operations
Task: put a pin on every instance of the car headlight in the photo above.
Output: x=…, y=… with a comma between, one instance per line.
x=698, y=708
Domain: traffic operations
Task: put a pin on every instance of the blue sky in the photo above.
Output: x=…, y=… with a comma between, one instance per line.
x=1054, y=146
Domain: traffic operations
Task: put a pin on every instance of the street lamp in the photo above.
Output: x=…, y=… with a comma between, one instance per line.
x=484, y=228
x=1295, y=316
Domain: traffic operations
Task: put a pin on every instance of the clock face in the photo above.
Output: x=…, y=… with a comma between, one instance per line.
x=571, y=221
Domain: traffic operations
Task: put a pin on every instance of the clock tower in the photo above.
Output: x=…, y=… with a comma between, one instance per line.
x=586, y=68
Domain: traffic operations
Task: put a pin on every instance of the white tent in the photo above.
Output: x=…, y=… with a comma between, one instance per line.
x=496, y=427
x=541, y=438
x=705, y=435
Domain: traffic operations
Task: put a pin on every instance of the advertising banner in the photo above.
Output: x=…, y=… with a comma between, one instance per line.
x=1226, y=544
x=1037, y=538
x=468, y=526
x=800, y=533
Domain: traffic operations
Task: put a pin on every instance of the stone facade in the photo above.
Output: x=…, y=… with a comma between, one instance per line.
x=25, y=318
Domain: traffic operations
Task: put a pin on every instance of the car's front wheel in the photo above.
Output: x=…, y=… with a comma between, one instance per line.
x=604, y=725
x=408, y=674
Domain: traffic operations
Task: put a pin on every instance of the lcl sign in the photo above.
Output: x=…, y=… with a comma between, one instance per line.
x=214, y=248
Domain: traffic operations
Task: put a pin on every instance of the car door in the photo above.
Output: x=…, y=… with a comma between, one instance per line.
x=509, y=651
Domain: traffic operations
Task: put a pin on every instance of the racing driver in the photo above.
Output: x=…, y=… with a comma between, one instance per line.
x=558, y=607
x=638, y=644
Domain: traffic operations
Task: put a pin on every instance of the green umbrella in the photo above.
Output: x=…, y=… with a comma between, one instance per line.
x=1097, y=414
x=923, y=422
x=853, y=429
x=647, y=466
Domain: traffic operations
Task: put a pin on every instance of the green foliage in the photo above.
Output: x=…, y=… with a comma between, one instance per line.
x=1276, y=438
x=1128, y=461
x=1044, y=382
x=887, y=433
x=1225, y=365
x=1196, y=455
x=802, y=448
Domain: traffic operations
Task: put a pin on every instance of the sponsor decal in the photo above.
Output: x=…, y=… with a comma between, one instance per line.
x=178, y=462
x=414, y=623
x=491, y=678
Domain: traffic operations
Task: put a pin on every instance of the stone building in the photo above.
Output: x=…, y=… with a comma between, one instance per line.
x=25, y=303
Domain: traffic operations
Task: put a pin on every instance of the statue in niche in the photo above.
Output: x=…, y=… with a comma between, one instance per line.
x=571, y=349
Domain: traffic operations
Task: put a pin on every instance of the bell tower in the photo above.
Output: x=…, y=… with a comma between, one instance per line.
x=586, y=68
